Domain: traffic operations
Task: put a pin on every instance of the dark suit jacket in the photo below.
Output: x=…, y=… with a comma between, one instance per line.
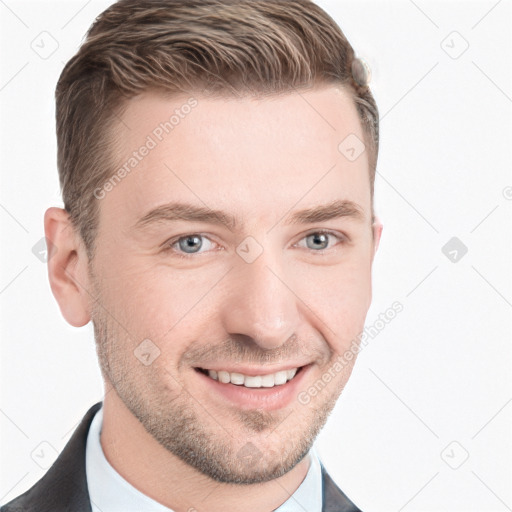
x=64, y=486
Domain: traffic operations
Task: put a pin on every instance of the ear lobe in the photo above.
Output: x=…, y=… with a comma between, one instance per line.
x=377, y=227
x=67, y=267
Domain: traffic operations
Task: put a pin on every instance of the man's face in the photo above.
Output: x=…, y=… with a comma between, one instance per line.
x=259, y=297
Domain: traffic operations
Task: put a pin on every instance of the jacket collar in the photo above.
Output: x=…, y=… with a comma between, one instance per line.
x=64, y=486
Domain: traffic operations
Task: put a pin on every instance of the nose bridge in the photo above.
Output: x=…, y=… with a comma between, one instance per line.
x=260, y=304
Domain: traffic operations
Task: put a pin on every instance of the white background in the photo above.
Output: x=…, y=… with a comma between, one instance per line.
x=439, y=372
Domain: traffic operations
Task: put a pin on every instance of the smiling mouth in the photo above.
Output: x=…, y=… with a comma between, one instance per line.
x=252, y=381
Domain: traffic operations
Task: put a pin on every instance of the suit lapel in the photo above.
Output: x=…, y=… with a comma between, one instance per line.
x=334, y=499
x=64, y=486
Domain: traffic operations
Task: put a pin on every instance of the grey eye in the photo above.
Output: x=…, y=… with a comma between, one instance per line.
x=190, y=244
x=318, y=241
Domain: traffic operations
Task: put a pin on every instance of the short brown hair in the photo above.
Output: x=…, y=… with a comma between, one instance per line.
x=222, y=46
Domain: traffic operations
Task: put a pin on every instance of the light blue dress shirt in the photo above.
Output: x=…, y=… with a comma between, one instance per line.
x=110, y=492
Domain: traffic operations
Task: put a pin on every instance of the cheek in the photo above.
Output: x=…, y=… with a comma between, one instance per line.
x=161, y=303
x=340, y=300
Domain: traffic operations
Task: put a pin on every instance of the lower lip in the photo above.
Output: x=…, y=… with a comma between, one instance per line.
x=269, y=399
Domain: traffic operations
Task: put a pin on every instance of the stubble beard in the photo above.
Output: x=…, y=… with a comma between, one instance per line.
x=185, y=429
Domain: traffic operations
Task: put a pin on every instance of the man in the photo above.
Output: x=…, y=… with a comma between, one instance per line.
x=217, y=160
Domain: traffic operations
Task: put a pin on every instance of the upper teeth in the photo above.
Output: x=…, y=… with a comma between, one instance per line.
x=257, y=381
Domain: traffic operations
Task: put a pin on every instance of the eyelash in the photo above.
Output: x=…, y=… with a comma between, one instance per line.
x=168, y=247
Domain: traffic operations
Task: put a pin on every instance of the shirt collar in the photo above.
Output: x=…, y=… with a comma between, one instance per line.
x=110, y=492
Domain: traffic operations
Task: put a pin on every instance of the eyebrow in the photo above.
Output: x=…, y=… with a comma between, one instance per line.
x=336, y=209
x=177, y=211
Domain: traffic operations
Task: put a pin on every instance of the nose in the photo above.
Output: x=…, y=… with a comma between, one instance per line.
x=260, y=304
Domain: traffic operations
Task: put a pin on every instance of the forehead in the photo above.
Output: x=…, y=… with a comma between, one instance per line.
x=244, y=154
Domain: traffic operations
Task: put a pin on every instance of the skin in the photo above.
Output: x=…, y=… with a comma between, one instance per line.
x=258, y=159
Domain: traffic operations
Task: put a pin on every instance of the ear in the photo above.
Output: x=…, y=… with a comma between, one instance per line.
x=377, y=232
x=67, y=267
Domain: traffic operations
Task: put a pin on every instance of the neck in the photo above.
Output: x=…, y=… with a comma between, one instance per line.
x=165, y=478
